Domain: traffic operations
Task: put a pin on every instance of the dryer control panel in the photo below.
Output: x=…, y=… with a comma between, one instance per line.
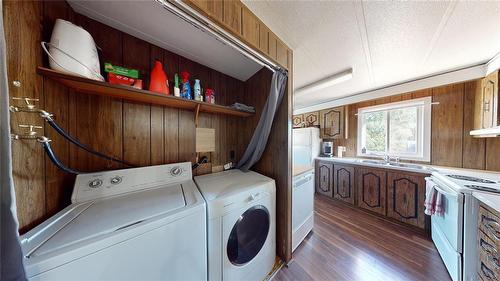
x=111, y=183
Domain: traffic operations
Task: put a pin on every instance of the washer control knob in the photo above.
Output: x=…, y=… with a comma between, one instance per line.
x=176, y=171
x=95, y=183
x=116, y=180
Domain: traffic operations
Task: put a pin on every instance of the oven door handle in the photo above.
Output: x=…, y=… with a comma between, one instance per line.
x=440, y=189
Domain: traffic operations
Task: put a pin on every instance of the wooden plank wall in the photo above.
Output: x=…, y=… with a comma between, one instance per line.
x=140, y=134
x=276, y=159
x=452, y=120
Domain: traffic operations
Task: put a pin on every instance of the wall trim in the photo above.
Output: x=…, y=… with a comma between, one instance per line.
x=493, y=64
x=451, y=77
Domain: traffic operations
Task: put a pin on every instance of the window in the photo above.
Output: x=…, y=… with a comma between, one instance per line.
x=400, y=129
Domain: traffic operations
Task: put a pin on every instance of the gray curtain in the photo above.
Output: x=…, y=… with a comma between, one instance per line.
x=259, y=139
x=11, y=258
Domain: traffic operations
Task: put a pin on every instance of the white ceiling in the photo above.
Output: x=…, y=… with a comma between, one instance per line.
x=384, y=42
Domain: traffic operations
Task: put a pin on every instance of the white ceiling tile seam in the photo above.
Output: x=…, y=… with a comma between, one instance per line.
x=363, y=33
x=439, y=30
x=194, y=18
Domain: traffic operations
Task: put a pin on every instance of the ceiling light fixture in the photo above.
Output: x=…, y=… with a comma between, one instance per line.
x=325, y=82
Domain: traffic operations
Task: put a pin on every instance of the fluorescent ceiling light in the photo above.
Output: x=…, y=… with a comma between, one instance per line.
x=325, y=82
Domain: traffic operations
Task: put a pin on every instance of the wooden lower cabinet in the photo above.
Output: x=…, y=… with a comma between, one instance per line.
x=488, y=244
x=371, y=189
x=324, y=178
x=343, y=183
x=405, y=197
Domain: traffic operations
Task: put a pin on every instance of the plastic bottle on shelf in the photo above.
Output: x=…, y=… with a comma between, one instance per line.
x=177, y=91
x=186, y=87
x=159, y=80
x=197, y=90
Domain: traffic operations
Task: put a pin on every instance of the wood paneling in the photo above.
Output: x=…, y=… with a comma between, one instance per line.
x=473, y=156
x=138, y=133
x=350, y=244
x=447, y=125
x=452, y=121
x=405, y=197
x=23, y=33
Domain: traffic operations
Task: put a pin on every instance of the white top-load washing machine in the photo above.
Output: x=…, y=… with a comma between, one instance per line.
x=241, y=225
x=135, y=224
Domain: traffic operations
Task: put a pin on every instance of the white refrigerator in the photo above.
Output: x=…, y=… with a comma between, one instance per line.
x=306, y=147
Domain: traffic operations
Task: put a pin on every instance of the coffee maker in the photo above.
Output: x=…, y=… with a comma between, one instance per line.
x=327, y=149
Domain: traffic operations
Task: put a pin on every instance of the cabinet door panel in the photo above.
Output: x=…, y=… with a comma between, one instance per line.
x=232, y=15
x=371, y=189
x=488, y=100
x=405, y=198
x=343, y=183
x=311, y=119
x=324, y=180
x=298, y=121
x=250, y=27
x=332, y=123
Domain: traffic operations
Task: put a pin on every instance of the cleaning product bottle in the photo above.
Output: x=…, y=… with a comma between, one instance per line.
x=197, y=90
x=177, y=91
x=186, y=87
x=159, y=80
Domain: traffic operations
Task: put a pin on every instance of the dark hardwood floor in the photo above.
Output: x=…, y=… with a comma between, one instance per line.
x=350, y=244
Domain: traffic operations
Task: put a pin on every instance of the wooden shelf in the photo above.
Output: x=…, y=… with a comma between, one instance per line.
x=93, y=87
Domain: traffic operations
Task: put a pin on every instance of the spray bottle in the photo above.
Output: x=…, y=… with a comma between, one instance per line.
x=186, y=87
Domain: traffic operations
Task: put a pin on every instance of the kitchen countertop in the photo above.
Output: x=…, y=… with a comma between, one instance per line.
x=490, y=199
x=297, y=170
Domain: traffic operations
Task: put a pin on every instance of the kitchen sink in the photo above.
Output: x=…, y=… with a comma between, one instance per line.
x=411, y=166
x=378, y=162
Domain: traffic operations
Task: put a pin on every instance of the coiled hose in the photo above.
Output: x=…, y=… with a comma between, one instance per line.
x=53, y=158
x=63, y=133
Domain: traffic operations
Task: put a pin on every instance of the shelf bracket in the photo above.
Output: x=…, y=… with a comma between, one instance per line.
x=196, y=113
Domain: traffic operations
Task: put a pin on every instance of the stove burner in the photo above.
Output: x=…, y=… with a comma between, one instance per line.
x=467, y=178
x=482, y=188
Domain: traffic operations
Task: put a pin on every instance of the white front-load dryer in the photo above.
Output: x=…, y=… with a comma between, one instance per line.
x=241, y=225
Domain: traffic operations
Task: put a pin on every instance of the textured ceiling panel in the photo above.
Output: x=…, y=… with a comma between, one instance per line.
x=384, y=42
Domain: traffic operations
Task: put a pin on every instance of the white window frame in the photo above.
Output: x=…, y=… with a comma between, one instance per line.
x=423, y=132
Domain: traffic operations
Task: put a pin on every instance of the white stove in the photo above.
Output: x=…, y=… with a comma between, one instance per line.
x=455, y=233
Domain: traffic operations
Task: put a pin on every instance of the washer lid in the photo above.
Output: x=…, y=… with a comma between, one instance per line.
x=229, y=183
x=87, y=221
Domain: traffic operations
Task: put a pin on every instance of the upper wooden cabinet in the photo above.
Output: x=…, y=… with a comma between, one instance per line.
x=405, y=197
x=332, y=123
x=250, y=27
x=236, y=18
x=298, y=121
x=486, y=111
x=311, y=119
x=232, y=15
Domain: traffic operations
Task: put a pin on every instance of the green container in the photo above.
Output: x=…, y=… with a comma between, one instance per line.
x=132, y=73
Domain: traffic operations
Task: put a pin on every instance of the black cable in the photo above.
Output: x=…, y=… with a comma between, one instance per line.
x=53, y=158
x=63, y=133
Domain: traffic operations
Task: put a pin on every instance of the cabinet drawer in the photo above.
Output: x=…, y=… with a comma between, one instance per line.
x=489, y=224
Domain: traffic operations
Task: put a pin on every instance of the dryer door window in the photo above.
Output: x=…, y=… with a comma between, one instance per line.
x=248, y=235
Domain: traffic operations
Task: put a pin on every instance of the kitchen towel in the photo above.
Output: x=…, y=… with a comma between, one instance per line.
x=258, y=142
x=433, y=200
x=11, y=265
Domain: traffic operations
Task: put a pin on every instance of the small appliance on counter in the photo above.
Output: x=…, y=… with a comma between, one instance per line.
x=327, y=149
